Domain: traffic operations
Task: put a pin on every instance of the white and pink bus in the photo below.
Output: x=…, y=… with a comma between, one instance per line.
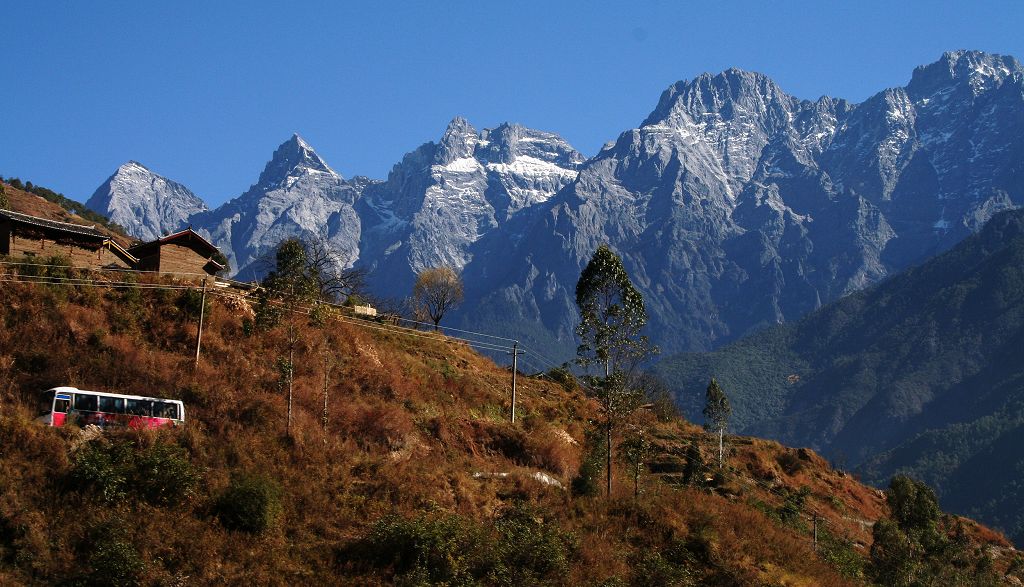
x=61, y=404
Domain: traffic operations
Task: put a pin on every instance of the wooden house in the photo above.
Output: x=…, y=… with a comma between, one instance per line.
x=184, y=252
x=83, y=246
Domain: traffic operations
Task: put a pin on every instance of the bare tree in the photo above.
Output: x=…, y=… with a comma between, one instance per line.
x=329, y=268
x=322, y=267
x=716, y=415
x=437, y=290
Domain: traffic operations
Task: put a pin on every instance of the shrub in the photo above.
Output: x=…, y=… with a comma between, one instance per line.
x=587, y=482
x=161, y=475
x=164, y=475
x=790, y=462
x=435, y=549
x=651, y=568
x=190, y=303
x=793, y=506
x=564, y=377
x=520, y=548
x=530, y=548
x=103, y=470
x=113, y=561
x=251, y=503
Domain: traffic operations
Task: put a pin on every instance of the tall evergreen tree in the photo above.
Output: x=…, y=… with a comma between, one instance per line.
x=716, y=415
x=612, y=314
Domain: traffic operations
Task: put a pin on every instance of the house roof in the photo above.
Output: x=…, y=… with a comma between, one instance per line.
x=188, y=235
x=78, y=229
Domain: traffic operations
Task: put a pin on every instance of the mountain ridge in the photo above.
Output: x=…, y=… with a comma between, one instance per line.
x=736, y=204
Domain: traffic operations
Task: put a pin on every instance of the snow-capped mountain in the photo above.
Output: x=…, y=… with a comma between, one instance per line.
x=733, y=204
x=443, y=197
x=297, y=194
x=736, y=205
x=147, y=205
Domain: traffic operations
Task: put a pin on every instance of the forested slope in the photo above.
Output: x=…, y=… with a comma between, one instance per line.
x=922, y=374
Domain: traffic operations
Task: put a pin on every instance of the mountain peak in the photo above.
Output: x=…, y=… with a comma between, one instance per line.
x=509, y=140
x=145, y=203
x=293, y=154
x=709, y=93
x=132, y=164
x=977, y=68
x=458, y=141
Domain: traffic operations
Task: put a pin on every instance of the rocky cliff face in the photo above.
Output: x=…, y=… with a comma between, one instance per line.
x=735, y=205
x=147, y=205
x=297, y=194
x=443, y=197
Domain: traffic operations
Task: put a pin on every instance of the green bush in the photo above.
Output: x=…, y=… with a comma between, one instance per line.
x=161, y=475
x=651, y=568
x=116, y=562
x=564, y=377
x=102, y=469
x=529, y=548
x=842, y=555
x=448, y=549
x=587, y=482
x=519, y=548
x=190, y=303
x=250, y=503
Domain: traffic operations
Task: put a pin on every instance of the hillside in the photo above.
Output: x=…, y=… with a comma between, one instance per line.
x=59, y=208
x=418, y=477
x=921, y=374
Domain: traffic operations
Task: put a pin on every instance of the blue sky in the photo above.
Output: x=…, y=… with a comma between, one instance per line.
x=202, y=92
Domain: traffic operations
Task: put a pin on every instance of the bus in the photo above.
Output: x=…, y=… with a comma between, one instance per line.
x=62, y=405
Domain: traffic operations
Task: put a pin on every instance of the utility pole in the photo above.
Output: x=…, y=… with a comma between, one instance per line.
x=327, y=371
x=291, y=377
x=815, y=532
x=515, y=367
x=202, y=314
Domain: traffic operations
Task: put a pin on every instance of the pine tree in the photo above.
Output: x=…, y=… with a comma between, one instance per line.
x=716, y=414
x=612, y=314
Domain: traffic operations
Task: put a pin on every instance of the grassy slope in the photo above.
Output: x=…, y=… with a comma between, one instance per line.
x=411, y=420
x=29, y=203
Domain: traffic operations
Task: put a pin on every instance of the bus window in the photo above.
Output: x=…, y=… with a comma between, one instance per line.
x=165, y=410
x=85, y=403
x=61, y=405
x=140, y=407
x=112, y=405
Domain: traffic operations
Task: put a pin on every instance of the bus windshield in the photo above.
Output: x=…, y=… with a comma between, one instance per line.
x=46, y=401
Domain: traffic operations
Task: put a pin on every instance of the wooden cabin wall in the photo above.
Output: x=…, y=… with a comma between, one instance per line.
x=176, y=258
x=78, y=256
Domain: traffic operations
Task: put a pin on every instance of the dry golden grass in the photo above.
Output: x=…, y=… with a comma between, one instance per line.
x=417, y=426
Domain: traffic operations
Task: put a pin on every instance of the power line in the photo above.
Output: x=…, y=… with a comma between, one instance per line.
x=83, y=281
